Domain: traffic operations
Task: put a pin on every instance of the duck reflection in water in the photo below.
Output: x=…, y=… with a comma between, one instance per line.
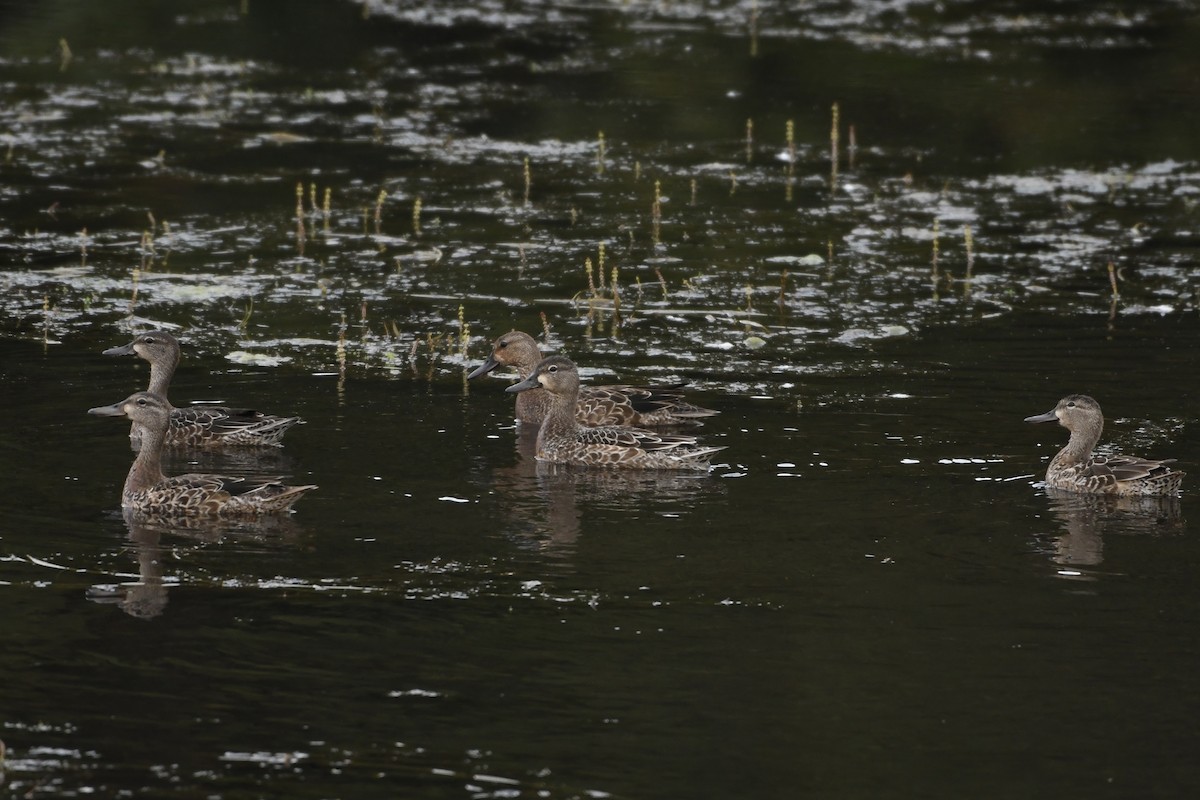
x=551, y=501
x=245, y=462
x=1088, y=518
x=146, y=598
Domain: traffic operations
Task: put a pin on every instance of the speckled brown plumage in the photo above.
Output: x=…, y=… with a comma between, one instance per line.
x=639, y=406
x=148, y=491
x=201, y=425
x=562, y=440
x=1076, y=468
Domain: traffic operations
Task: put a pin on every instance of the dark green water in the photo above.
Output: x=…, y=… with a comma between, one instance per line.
x=870, y=595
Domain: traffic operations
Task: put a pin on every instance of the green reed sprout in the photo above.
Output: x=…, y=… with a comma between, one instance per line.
x=341, y=360
x=656, y=211
x=528, y=179
x=464, y=331
x=969, y=242
x=379, y=200
x=834, y=139
x=791, y=146
x=936, y=233
x=246, y=316
x=753, y=25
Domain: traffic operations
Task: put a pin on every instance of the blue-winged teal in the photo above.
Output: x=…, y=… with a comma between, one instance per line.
x=641, y=406
x=148, y=491
x=202, y=425
x=1077, y=469
x=562, y=440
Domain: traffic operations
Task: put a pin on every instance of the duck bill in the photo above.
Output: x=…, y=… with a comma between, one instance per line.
x=1049, y=416
x=482, y=369
x=123, y=350
x=529, y=383
x=115, y=410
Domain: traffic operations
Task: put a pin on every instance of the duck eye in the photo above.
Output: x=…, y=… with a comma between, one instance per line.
x=502, y=345
x=552, y=368
x=1071, y=404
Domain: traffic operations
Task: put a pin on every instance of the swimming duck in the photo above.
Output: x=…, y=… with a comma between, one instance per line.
x=1077, y=469
x=148, y=491
x=201, y=425
x=638, y=406
x=562, y=440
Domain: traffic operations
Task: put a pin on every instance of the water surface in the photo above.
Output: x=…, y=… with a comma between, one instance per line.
x=870, y=594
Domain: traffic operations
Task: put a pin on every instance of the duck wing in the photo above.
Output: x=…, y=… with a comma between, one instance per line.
x=637, y=405
x=633, y=437
x=201, y=423
x=1120, y=468
x=220, y=494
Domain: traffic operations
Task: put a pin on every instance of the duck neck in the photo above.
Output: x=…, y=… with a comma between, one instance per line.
x=1079, y=448
x=531, y=404
x=147, y=467
x=161, y=373
x=560, y=416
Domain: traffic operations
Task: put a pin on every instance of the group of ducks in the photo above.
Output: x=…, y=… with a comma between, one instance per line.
x=604, y=426
x=156, y=424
